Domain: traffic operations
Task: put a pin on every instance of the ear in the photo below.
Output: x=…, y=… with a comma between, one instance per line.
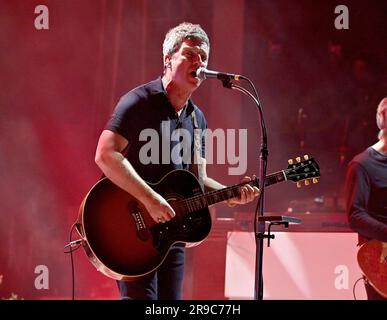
x=167, y=61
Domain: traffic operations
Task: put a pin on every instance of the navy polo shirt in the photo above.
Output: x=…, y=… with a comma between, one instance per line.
x=146, y=118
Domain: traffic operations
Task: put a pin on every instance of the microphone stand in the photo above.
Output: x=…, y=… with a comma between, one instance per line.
x=259, y=224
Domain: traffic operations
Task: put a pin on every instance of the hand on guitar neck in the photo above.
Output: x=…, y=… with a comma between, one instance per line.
x=247, y=194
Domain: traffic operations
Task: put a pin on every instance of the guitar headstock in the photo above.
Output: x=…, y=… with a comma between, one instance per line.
x=305, y=169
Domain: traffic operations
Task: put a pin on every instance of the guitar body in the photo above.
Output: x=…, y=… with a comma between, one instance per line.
x=373, y=265
x=121, y=239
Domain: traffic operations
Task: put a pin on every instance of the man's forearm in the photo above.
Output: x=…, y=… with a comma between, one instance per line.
x=119, y=170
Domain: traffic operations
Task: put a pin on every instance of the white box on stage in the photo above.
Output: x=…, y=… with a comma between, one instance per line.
x=297, y=265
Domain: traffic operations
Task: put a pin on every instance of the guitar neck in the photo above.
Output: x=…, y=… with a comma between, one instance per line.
x=202, y=201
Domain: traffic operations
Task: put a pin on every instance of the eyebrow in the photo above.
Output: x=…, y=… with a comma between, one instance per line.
x=200, y=51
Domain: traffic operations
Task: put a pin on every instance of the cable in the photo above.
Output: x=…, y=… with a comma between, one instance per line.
x=252, y=85
x=71, y=244
x=231, y=85
x=354, y=286
x=258, y=290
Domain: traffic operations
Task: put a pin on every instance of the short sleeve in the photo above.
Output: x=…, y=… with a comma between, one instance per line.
x=123, y=118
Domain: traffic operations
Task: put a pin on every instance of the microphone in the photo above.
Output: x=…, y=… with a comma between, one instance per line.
x=203, y=73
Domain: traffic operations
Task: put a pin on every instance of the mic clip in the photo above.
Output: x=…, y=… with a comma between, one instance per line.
x=226, y=81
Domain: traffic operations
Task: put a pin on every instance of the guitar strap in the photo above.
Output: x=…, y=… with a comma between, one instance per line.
x=197, y=164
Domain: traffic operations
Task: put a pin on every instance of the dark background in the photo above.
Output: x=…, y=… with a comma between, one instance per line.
x=319, y=88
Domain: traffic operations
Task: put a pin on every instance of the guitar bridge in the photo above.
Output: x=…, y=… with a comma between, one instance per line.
x=142, y=231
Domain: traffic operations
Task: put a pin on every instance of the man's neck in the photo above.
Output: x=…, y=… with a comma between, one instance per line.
x=177, y=96
x=381, y=145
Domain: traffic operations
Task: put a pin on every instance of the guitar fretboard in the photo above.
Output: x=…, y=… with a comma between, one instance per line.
x=204, y=200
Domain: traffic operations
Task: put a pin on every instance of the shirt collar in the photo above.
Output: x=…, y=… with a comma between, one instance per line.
x=156, y=87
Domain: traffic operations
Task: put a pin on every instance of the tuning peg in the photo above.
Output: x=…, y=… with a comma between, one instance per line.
x=290, y=161
x=307, y=183
x=315, y=180
x=306, y=157
x=298, y=184
x=298, y=159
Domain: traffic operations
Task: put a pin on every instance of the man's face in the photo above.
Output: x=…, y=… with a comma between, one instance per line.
x=381, y=115
x=182, y=65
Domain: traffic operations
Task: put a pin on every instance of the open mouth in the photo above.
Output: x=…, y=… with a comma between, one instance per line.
x=193, y=73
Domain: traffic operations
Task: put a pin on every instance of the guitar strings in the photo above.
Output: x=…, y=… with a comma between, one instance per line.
x=203, y=199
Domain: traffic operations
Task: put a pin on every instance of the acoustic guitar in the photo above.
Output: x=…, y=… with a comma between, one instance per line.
x=124, y=243
x=372, y=260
